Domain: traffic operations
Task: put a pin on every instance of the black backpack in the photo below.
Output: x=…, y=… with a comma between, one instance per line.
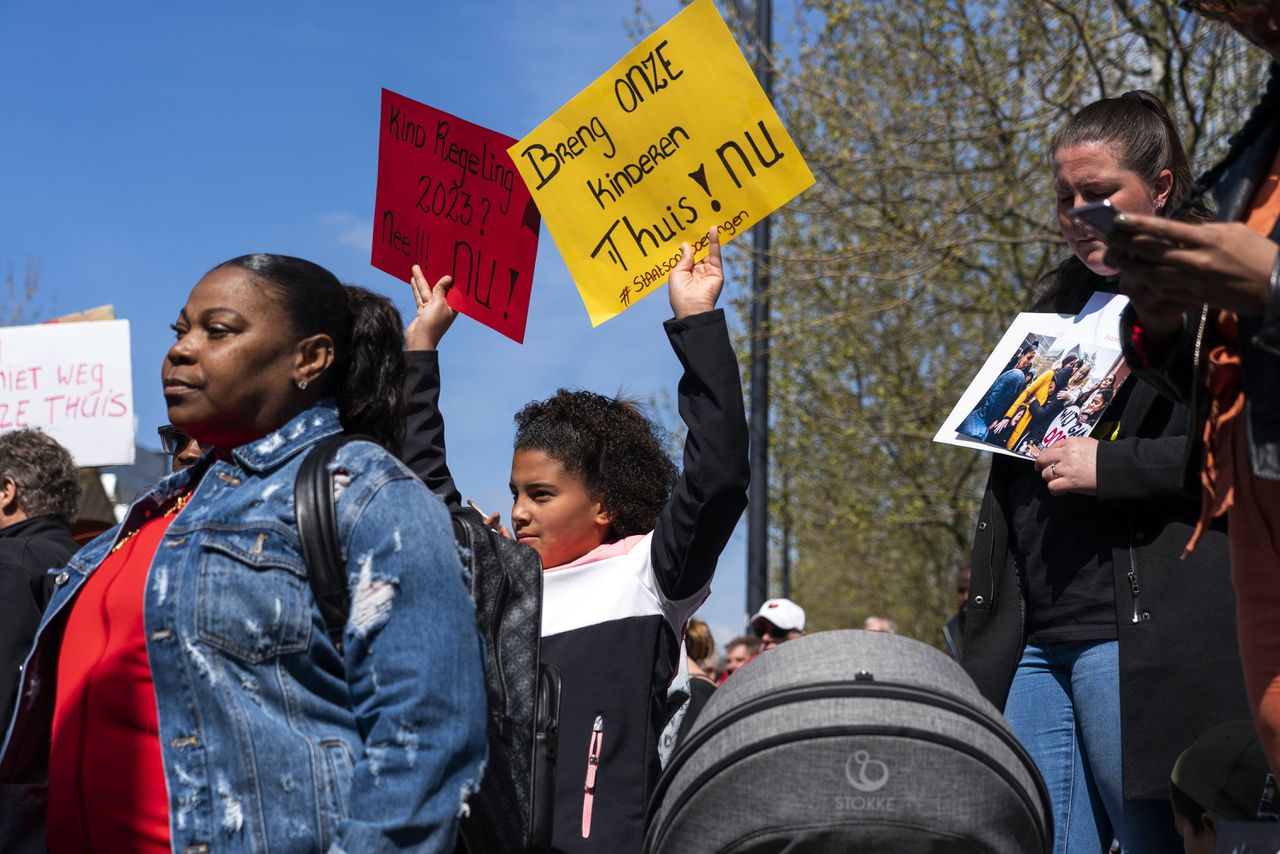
x=512, y=810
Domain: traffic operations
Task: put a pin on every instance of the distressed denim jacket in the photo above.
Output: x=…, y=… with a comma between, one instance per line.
x=270, y=740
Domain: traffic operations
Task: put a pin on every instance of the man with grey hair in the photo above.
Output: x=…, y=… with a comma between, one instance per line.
x=888, y=625
x=39, y=498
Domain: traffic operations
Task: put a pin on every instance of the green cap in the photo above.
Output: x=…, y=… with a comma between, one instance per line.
x=1225, y=771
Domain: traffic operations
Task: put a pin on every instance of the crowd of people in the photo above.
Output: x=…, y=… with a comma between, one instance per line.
x=164, y=673
x=171, y=684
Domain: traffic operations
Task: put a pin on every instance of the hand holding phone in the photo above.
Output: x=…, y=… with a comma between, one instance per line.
x=491, y=520
x=1099, y=216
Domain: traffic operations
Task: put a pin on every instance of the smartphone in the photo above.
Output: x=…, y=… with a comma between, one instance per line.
x=1100, y=216
x=496, y=526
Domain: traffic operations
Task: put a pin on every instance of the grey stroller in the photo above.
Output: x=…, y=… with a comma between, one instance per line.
x=850, y=741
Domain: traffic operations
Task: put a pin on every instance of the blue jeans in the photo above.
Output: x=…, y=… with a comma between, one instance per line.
x=1064, y=706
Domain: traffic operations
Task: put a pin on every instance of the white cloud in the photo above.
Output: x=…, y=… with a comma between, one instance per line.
x=348, y=229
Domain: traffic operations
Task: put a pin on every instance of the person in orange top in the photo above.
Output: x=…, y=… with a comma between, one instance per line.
x=1204, y=327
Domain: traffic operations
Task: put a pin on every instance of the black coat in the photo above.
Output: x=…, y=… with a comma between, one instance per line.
x=1175, y=619
x=28, y=550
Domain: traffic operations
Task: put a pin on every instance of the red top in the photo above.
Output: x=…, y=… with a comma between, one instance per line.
x=106, y=777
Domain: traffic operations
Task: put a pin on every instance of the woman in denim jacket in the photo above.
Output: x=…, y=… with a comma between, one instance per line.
x=183, y=693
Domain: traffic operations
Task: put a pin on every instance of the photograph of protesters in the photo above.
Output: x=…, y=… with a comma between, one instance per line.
x=1008, y=431
x=1070, y=393
x=1110, y=382
x=1043, y=414
x=1002, y=393
x=1073, y=421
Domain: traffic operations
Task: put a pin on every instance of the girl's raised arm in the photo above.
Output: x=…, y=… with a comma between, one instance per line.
x=710, y=495
x=424, y=450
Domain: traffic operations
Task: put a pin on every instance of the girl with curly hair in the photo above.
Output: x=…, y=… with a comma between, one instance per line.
x=628, y=548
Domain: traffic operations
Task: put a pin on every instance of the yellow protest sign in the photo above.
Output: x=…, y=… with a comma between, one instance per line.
x=676, y=137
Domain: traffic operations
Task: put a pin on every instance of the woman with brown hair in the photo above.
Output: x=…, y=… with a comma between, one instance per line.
x=1106, y=652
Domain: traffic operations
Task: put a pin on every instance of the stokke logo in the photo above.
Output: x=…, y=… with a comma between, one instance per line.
x=864, y=773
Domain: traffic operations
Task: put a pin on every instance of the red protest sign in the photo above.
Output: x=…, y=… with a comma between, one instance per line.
x=450, y=200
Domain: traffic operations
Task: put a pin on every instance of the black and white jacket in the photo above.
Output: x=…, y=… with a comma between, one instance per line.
x=613, y=620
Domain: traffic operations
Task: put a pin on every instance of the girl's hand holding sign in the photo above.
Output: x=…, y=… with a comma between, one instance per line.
x=696, y=287
x=434, y=314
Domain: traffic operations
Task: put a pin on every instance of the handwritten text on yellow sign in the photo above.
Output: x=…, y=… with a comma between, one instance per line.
x=676, y=137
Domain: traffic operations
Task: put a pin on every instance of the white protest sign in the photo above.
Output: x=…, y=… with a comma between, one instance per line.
x=75, y=382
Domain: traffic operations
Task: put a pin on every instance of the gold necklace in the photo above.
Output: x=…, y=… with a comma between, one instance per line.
x=173, y=509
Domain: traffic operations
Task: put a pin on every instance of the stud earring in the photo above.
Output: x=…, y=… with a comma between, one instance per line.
x=302, y=385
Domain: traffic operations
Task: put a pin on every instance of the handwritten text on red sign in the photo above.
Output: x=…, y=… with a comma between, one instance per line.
x=450, y=200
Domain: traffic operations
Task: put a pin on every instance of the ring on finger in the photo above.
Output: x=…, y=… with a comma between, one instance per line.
x=1053, y=471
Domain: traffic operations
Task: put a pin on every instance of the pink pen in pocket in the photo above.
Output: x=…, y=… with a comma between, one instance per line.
x=593, y=766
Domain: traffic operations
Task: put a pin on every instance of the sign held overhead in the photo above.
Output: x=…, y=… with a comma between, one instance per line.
x=450, y=200
x=677, y=137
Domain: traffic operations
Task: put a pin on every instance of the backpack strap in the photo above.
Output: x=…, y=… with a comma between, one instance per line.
x=313, y=504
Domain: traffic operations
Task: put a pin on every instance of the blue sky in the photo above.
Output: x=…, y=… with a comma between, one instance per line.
x=141, y=145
